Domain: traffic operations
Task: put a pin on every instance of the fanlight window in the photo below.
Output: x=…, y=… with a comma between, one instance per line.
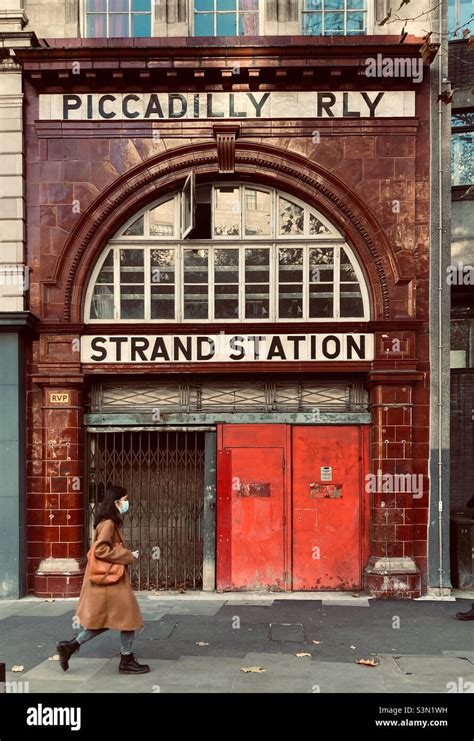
x=232, y=253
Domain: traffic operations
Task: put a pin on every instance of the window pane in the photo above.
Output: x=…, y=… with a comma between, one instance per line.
x=321, y=301
x=333, y=23
x=316, y=226
x=135, y=229
x=102, y=305
x=226, y=24
x=118, y=25
x=355, y=4
x=132, y=303
x=226, y=5
x=291, y=217
x=162, y=219
x=96, y=6
x=334, y=5
x=257, y=302
x=162, y=267
x=226, y=302
x=290, y=301
x=115, y=6
x=248, y=4
x=227, y=212
x=321, y=264
x=106, y=274
x=355, y=22
x=196, y=302
x=204, y=24
x=257, y=212
x=313, y=4
x=347, y=271
x=257, y=265
x=313, y=24
x=351, y=300
x=462, y=160
x=162, y=302
x=141, y=5
x=141, y=25
x=96, y=26
x=226, y=266
x=248, y=24
x=204, y=4
x=131, y=266
x=290, y=265
x=195, y=266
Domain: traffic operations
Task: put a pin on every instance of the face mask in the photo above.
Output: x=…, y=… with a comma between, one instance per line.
x=123, y=507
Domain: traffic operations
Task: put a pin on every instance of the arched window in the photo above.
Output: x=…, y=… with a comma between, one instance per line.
x=250, y=254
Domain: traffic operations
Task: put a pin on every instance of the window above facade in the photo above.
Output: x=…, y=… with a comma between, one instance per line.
x=225, y=18
x=460, y=15
x=118, y=18
x=462, y=148
x=253, y=254
x=334, y=17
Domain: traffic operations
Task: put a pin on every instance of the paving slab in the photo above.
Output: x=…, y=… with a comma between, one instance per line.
x=208, y=670
x=80, y=670
x=287, y=632
x=333, y=676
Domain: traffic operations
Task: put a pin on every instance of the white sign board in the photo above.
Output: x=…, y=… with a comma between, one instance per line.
x=222, y=348
x=170, y=106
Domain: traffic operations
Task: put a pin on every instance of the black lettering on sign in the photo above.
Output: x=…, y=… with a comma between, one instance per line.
x=138, y=345
x=200, y=353
x=177, y=98
x=325, y=103
x=159, y=350
x=337, y=347
x=372, y=103
x=105, y=99
x=276, y=349
x=180, y=347
x=118, y=342
x=126, y=112
x=235, y=346
x=70, y=103
x=296, y=339
x=95, y=345
x=358, y=348
x=154, y=107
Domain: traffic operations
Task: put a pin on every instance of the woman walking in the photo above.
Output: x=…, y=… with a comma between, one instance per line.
x=107, y=600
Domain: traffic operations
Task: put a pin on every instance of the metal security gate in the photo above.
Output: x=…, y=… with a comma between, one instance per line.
x=163, y=472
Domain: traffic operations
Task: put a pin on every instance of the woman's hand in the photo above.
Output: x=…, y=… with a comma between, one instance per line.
x=135, y=554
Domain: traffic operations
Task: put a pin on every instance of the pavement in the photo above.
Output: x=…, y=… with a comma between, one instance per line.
x=291, y=643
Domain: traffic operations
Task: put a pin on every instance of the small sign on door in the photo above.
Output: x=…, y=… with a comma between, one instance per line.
x=326, y=473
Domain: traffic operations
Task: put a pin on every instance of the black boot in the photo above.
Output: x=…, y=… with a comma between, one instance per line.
x=466, y=615
x=128, y=665
x=65, y=650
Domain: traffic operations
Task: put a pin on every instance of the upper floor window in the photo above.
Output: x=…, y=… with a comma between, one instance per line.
x=226, y=17
x=118, y=18
x=254, y=254
x=462, y=148
x=460, y=15
x=334, y=17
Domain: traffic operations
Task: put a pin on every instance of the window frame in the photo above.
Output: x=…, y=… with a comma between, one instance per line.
x=273, y=242
x=369, y=17
x=191, y=23
x=84, y=15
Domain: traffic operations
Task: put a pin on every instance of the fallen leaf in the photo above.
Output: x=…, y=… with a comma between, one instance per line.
x=201, y=643
x=318, y=643
x=367, y=662
x=50, y=600
x=353, y=647
x=17, y=668
x=53, y=658
x=355, y=595
x=301, y=655
x=252, y=669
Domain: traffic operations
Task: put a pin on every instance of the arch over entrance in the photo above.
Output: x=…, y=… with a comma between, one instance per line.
x=268, y=166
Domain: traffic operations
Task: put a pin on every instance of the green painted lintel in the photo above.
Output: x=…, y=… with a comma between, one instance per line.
x=300, y=418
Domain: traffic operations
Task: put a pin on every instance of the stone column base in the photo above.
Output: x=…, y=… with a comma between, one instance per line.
x=59, y=577
x=392, y=578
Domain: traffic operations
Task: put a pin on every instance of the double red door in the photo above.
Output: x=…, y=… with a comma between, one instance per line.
x=291, y=513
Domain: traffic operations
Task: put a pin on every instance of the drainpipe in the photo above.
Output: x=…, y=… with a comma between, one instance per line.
x=441, y=288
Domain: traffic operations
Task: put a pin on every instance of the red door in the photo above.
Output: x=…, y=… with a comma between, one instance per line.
x=251, y=519
x=328, y=470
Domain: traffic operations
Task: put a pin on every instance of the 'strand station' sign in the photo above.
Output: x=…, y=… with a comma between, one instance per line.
x=224, y=348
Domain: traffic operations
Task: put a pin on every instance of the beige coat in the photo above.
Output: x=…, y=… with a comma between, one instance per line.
x=114, y=606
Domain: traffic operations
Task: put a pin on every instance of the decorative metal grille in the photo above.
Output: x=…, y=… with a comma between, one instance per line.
x=221, y=397
x=163, y=473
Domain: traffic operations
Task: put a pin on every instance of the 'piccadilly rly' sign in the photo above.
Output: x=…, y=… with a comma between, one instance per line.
x=171, y=106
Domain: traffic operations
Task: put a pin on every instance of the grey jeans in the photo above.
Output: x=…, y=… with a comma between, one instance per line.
x=126, y=638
